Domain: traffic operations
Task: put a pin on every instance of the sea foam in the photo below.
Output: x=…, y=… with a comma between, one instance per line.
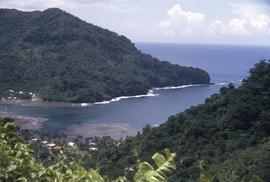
x=179, y=87
x=151, y=93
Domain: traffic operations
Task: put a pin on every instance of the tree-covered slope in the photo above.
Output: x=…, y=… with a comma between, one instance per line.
x=18, y=164
x=225, y=139
x=62, y=58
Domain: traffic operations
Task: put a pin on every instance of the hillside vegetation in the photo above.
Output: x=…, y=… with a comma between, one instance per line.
x=225, y=139
x=59, y=57
x=18, y=164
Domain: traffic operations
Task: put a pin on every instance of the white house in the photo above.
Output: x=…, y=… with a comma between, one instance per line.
x=51, y=145
x=44, y=142
x=71, y=144
x=92, y=148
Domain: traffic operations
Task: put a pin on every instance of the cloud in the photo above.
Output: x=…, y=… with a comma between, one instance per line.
x=237, y=26
x=181, y=21
x=255, y=15
x=250, y=19
x=247, y=22
x=31, y=4
x=94, y=1
x=44, y=4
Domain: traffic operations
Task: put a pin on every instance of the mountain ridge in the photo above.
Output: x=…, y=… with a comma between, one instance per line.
x=59, y=57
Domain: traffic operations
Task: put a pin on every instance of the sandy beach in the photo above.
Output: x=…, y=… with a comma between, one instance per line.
x=39, y=103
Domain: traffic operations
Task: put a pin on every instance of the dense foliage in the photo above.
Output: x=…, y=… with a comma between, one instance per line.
x=18, y=164
x=225, y=139
x=62, y=58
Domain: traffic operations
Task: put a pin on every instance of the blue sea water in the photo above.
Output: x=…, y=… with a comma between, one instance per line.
x=224, y=63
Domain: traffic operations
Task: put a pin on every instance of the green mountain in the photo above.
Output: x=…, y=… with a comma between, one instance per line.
x=61, y=58
x=225, y=139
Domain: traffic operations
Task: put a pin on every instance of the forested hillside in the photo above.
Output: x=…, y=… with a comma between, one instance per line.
x=224, y=139
x=18, y=164
x=59, y=57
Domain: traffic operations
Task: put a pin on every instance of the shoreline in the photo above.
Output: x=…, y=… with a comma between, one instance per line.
x=25, y=122
x=41, y=103
x=150, y=93
x=114, y=130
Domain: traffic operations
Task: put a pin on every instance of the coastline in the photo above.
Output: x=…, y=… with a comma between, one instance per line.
x=114, y=130
x=41, y=103
x=150, y=93
x=25, y=122
x=117, y=130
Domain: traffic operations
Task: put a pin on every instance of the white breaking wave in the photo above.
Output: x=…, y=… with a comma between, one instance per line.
x=227, y=83
x=179, y=87
x=221, y=83
x=84, y=104
x=151, y=93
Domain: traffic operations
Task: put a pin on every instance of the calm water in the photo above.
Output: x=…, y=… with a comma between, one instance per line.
x=224, y=63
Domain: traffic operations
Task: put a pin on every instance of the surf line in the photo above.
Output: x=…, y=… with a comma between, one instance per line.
x=151, y=93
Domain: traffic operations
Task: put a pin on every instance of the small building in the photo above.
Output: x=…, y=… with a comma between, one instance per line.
x=93, y=148
x=35, y=98
x=44, y=142
x=57, y=147
x=51, y=145
x=71, y=144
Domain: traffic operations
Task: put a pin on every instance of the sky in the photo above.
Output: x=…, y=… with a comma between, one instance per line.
x=245, y=22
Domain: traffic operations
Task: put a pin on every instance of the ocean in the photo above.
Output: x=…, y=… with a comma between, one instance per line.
x=224, y=63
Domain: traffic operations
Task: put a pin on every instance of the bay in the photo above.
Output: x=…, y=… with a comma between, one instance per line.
x=225, y=63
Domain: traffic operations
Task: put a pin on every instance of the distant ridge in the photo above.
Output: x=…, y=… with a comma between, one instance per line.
x=59, y=57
